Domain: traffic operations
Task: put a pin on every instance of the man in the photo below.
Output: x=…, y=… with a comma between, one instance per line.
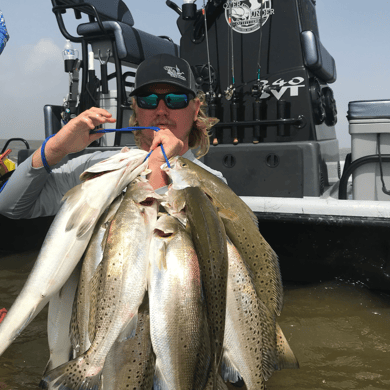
x=165, y=96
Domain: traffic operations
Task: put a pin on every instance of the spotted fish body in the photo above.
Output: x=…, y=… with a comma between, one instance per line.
x=241, y=228
x=250, y=337
x=130, y=363
x=177, y=310
x=68, y=237
x=121, y=285
x=209, y=237
x=91, y=259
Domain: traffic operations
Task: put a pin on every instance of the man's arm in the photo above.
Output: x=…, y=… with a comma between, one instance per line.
x=32, y=191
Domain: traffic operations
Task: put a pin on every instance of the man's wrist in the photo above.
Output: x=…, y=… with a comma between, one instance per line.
x=52, y=154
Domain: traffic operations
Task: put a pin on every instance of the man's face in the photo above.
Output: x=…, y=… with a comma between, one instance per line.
x=179, y=121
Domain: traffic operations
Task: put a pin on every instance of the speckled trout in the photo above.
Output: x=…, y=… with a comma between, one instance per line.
x=69, y=235
x=209, y=237
x=254, y=346
x=177, y=309
x=130, y=363
x=91, y=259
x=241, y=227
x=120, y=286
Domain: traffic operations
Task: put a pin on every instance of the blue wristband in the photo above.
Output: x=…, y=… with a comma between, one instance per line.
x=43, y=157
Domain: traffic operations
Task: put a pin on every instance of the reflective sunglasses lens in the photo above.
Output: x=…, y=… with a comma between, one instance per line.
x=176, y=101
x=150, y=101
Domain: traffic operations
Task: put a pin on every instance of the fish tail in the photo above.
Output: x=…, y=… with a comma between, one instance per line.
x=228, y=370
x=159, y=382
x=215, y=382
x=74, y=375
x=286, y=357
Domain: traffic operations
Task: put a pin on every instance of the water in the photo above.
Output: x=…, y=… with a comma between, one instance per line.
x=339, y=332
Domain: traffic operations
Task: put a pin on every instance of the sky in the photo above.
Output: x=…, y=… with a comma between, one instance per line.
x=355, y=33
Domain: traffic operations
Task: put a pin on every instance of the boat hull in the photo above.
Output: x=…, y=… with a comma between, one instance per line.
x=311, y=247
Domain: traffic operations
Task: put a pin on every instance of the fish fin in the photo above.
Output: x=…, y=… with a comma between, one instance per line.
x=219, y=384
x=227, y=214
x=229, y=371
x=34, y=312
x=129, y=331
x=159, y=382
x=84, y=217
x=161, y=255
x=73, y=326
x=72, y=375
x=286, y=357
x=72, y=196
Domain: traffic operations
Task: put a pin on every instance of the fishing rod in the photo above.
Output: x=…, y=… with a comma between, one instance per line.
x=230, y=89
x=230, y=93
x=257, y=88
x=210, y=95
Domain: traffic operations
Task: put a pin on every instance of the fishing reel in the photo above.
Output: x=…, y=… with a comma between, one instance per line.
x=317, y=101
x=202, y=76
x=330, y=107
x=257, y=90
x=229, y=92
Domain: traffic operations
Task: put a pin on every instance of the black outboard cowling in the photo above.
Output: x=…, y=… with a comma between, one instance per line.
x=265, y=72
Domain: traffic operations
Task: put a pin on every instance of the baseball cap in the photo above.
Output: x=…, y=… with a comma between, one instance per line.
x=167, y=69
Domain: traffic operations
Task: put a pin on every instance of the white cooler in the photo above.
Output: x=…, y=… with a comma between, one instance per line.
x=367, y=119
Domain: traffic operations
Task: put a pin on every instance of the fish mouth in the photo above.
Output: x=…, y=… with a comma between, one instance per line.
x=148, y=201
x=172, y=162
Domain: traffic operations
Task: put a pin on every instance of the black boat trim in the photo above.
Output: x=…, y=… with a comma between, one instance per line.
x=323, y=219
x=12, y=140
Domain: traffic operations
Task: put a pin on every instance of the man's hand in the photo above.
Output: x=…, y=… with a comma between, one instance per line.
x=74, y=136
x=173, y=146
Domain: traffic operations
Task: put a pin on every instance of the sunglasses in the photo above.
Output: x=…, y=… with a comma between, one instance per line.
x=175, y=101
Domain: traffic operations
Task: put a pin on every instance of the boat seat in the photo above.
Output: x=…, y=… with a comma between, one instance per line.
x=133, y=45
x=108, y=10
x=369, y=109
x=317, y=58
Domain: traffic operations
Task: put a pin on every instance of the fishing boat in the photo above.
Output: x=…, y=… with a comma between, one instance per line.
x=266, y=76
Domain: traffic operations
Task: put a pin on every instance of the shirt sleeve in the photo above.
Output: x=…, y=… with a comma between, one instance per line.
x=33, y=192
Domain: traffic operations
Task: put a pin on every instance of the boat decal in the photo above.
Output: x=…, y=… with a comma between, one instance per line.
x=245, y=16
x=292, y=85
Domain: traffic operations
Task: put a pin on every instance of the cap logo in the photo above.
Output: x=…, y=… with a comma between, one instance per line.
x=175, y=72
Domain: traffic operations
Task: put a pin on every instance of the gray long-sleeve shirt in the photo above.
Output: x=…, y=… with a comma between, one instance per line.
x=33, y=192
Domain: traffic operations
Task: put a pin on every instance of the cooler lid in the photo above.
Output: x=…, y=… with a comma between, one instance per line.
x=369, y=109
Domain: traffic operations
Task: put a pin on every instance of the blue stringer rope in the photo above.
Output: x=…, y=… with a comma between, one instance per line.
x=45, y=164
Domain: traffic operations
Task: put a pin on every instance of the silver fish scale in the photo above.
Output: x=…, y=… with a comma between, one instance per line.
x=247, y=347
x=91, y=259
x=120, y=289
x=261, y=260
x=131, y=363
x=241, y=227
x=209, y=239
x=177, y=313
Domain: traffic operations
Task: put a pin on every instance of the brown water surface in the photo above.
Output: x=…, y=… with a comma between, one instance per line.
x=339, y=332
